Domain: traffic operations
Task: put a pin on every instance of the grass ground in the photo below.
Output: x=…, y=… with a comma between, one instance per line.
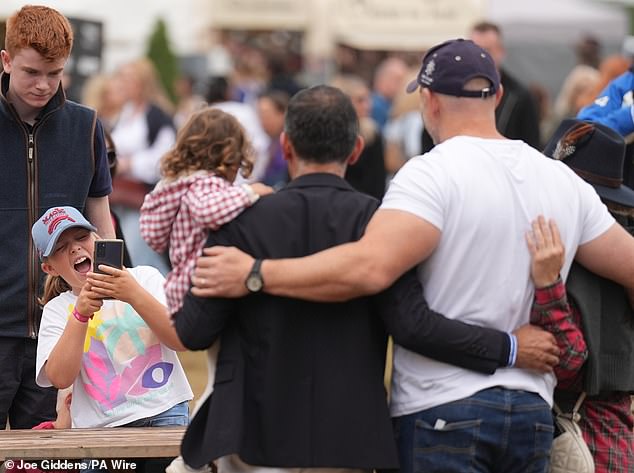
x=195, y=366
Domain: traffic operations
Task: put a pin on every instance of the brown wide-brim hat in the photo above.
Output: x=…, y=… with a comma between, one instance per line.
x=596, y=153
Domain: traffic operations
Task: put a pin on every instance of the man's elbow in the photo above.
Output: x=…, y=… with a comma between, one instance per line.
x=193, y=342
x=196, y=344
x=374, y=278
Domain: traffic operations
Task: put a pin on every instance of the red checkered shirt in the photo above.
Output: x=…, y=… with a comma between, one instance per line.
x=179, y=213
x=606, y=422
x=552, y=312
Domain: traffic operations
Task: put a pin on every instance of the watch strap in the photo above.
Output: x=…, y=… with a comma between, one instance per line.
x=255, y=269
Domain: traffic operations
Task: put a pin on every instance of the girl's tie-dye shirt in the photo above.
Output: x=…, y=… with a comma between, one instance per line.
x=126, y=373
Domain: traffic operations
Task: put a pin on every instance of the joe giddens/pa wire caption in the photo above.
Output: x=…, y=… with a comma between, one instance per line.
x=57, y=464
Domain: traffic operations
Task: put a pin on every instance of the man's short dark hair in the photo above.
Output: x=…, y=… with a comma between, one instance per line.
x=321, y=124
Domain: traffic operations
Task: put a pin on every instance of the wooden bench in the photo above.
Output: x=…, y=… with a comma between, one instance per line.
x=116, y=443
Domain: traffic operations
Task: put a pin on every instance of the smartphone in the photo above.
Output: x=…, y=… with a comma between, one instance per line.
x=109, y=252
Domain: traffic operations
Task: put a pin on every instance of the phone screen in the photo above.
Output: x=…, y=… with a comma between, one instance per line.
x=108, y=252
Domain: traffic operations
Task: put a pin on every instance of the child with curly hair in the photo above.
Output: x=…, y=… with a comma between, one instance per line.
x=197, y=193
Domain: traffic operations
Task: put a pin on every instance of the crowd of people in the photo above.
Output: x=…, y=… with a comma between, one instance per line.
x=290, y=230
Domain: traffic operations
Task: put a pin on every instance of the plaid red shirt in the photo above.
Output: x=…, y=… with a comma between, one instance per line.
x=551, y=311
x=606, y=422
x=179, y=213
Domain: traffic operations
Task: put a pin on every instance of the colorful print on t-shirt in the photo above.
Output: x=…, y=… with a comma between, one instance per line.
x=122, y=357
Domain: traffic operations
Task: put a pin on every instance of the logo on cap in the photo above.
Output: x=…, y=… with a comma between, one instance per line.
x=426, y=77
x=54, y=218
x=448, y=67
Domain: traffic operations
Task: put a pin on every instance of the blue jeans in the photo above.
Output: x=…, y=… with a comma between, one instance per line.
x=495, y=430
x=175, y=415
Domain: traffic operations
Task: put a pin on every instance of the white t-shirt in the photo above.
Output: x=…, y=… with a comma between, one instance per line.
x=482, y=195
x=126, y=373
x=130, y=135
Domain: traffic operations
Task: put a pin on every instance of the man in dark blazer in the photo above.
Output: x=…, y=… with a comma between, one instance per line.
x=299, y=383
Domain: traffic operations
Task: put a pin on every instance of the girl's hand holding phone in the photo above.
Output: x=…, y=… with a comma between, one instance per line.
x=88, y=301
x=114, y=283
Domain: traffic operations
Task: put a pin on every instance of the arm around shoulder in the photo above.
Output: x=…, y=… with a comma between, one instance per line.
x=394, y=242
x=415, y=326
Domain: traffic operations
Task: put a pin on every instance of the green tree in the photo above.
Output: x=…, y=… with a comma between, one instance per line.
x=161, y=54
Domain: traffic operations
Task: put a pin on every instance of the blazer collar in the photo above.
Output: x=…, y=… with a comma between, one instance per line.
x=319, y=179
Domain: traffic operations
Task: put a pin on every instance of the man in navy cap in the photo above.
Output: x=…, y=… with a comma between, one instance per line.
x=461, y=212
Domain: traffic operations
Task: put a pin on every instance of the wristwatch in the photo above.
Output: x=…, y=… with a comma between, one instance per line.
x=254, y=281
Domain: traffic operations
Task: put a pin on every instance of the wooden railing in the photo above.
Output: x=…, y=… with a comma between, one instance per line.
x=113, y=443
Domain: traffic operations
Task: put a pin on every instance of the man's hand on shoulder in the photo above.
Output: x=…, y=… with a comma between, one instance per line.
x=536, y=349
x=221, y=272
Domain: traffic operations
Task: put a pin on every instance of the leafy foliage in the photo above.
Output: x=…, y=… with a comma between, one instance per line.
x=161, y=54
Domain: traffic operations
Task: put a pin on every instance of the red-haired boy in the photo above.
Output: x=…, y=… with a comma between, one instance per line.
x=52, y=153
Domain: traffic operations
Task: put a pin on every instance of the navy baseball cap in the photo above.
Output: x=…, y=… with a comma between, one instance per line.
x=50, y=226
x=447, y=67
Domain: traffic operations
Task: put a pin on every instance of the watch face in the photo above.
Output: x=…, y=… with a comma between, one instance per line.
x=254, y=283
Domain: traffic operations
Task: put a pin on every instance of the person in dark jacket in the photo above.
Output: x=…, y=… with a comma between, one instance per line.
x=368, y=174
x=52, y=154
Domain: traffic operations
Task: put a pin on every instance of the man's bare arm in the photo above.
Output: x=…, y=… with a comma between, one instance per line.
x=98, y=213
x=611, y=256
x=394, y=242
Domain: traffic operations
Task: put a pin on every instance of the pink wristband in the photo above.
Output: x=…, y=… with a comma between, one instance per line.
x=82, y=318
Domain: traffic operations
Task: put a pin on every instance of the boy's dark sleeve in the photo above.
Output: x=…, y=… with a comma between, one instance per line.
x=200, y=320
x=413, y=325
x=101, y=184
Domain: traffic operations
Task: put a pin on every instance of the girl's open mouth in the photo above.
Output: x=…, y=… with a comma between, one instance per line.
x=83, y=265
